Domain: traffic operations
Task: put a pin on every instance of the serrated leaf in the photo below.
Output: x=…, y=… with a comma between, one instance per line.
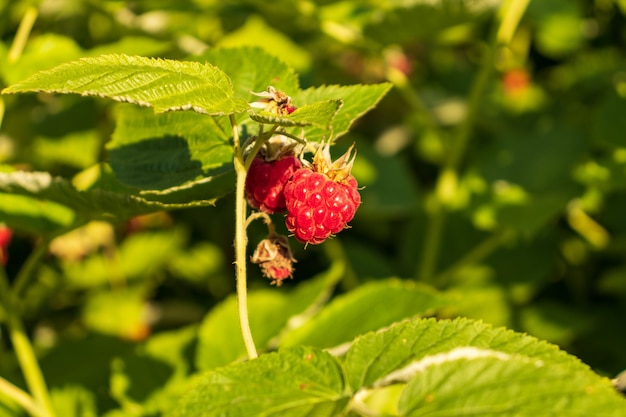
x=296, y=382
x=494, y=384
x=375, y=355
x=320, y=114
x=467, y=368
x=369, y=307
x=91, y=204
x=251, y=69
x=162, y=84
x=356, y=99
x=160, y=151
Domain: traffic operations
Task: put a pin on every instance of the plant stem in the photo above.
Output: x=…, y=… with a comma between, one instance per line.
x=241, y=241
x=507, y=20
x=23, y=349
x=20, y=397
x=32, y=262
x=23, y=32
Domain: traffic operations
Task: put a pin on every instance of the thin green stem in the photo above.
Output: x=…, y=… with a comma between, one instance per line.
x=241, y=241
x=507, y=21
x=23, y=349
x=27, y=270
x=2, y=110
x=23, y=32
x=20, y=397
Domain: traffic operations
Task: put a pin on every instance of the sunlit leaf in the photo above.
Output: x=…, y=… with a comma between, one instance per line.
x=159, y=83
x=296, y=382
x=369, y=307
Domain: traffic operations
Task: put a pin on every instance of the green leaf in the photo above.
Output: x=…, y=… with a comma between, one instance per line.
x=356, y=99
x=251, y=69
x=155, y=374
x=138, y=257
x=319, y=114
x=369, y=307
x=32, y=215
x=74, y=401
x=609, y=121
x=294, y=382
x=41, y=53
x=91, y=204
x=219, y=337
x=470, y=382
x=467, y=368
x=256, y=31
x=118, y=312
x=160, y=151
x=162, y=84
x=419, y=20
x=375, y=355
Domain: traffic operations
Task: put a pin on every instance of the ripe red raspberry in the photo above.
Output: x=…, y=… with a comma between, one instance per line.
x=265, y=182
x=321, y=199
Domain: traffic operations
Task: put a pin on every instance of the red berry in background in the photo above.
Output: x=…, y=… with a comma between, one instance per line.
x=5, y=238
x=516, y=81
x=265, y=182
x=321, y=199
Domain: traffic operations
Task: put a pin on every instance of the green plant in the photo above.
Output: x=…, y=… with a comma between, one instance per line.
x=186, y=138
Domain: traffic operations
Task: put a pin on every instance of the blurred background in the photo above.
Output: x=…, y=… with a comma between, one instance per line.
x=495, y=174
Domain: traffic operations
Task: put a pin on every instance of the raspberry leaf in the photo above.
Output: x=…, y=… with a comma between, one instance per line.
x=297, y=382
x=162, y=84
x=31, y=215
x=496, y=371
x=108, y=202
x=251, y=69
x=219, y=338
x=160, y=151
x=319, y=114
x=357, y=100
x=352, y=314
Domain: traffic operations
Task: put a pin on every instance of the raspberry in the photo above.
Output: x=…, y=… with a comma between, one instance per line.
x=321, y=199
x=265, y=182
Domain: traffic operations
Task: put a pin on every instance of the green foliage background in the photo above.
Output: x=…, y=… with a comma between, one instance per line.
x=533, y=233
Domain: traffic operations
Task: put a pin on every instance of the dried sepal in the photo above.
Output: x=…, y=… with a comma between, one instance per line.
x=273, y=255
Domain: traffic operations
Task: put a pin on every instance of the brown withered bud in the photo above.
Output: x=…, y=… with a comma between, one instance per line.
x=274, y=257
x=274, y=101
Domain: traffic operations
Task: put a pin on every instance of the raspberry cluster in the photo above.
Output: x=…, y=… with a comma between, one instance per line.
x=320, y=198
